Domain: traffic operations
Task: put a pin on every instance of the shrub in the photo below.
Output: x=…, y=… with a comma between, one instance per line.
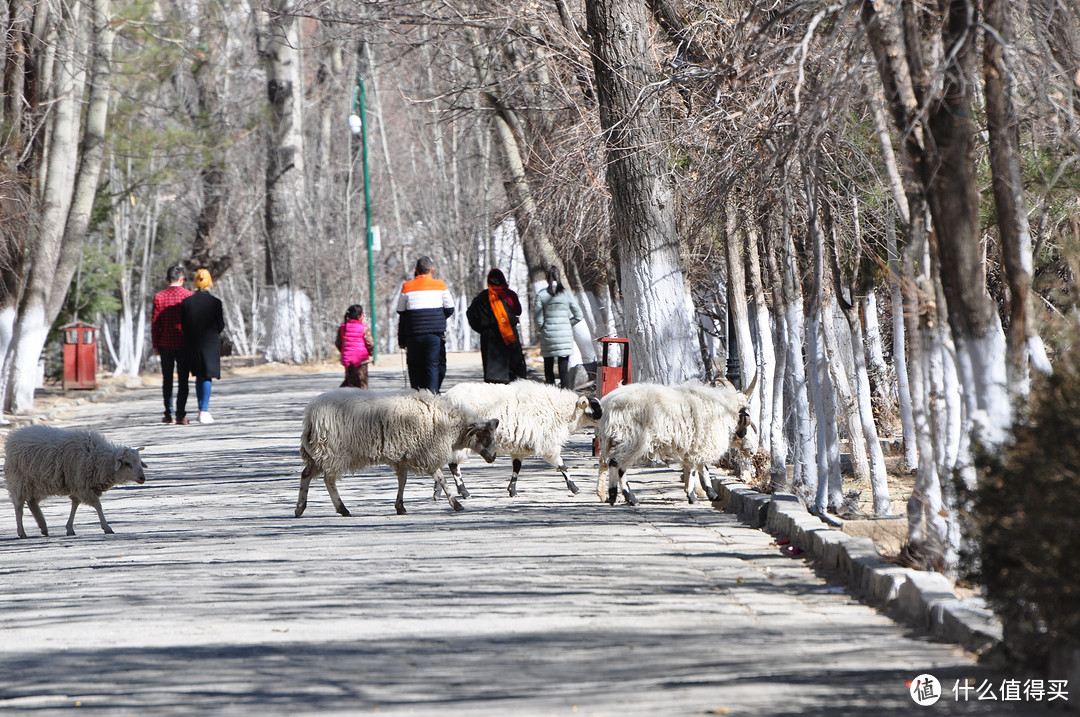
x=1026, y=520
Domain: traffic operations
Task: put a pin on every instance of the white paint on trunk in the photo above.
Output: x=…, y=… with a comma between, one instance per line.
x=903, y=389
x=778, y=448
x=660, y=324
x=289, y=337
x=29, y=339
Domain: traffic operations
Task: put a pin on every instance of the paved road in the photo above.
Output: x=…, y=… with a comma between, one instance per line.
x=212, y=599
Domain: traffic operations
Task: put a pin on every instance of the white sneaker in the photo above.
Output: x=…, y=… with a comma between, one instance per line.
x=205, y=417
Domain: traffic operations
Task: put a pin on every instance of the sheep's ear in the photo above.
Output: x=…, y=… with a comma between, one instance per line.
x=143, y=464
x=119, y=462
x=140, y=449
x=583, y=403
x=493, y=424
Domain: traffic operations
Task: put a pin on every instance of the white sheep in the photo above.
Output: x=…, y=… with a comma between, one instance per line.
x=42, y=461
x=348, y=429
x=691, y=424
x=535, y=419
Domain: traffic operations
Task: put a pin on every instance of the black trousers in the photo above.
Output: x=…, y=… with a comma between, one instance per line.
x=564, y=370
x=174, y=360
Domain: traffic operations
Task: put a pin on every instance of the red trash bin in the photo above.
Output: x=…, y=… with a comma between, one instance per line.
x=80, y=356
x=610, y=377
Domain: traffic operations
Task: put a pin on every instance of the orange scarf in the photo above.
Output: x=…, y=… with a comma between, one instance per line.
x=501, y=317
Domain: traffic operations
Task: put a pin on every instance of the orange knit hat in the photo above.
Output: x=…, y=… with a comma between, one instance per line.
x=203, y=280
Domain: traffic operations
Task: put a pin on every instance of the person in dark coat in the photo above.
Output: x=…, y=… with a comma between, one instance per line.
x=203, y=321
x=494, y=315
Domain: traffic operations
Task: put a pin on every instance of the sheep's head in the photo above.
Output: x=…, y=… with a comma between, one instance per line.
x=129, y=466
x=480, y=437
x=587, y=412
x=593, y=410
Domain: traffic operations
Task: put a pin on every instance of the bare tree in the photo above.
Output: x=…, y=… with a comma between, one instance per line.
x=643, y=212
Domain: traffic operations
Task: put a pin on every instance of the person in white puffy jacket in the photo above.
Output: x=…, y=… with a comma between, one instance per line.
x=555, y=312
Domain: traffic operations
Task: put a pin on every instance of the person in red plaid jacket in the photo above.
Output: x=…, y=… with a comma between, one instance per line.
x=168, y=340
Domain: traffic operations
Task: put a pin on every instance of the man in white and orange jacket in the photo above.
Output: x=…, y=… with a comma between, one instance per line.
x=423, y=308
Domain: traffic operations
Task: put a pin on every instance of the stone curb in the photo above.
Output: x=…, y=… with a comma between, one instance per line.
x=924, y=600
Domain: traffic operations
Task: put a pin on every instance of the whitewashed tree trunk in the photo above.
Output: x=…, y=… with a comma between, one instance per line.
x=805, y=478
x=737, y=306
x=766, y=357
x=43, y=252
x=863, y=422
x=882, y=381
x=926, y=525
x=288, y=316
x=841, y=365
x=829, y=493
x=659, y=322
x=289, y=336
x=778, y=445
x=900, y=363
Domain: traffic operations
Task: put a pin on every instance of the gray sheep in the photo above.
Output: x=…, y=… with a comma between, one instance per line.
x=349, y=429
x=42, y=461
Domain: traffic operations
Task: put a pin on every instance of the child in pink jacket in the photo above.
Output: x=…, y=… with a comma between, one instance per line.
x=356, y=346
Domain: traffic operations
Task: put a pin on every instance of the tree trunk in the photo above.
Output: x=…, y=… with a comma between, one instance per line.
x=43, y=253
x=952, y=193
x=766, y=356
x=829, y=487
x=900, y=362
x=778, y=443
x=1023, y=343
x=288, y=313
x=737, y=306
x=805, y=478
x=658, y=314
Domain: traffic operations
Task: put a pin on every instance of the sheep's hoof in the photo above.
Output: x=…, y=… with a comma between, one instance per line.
x=463, y=491
x=344, y=511
x=400, y=509
x=710, y=493
x=22, y=536
x=456, y=505
x=512, y=490
x=71, y=531
x=691, y=498
x=631, y=499
x=612, y=496
x=573, y=488
x=108, y=531
x=299, y=511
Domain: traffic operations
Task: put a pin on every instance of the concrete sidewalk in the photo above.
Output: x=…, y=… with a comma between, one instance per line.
x=212, y=598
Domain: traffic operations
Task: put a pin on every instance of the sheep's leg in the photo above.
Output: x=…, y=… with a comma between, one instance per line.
x=71, y=518
x=441, y=480
x=613, y=485
x=19, y=517
x=512, y=488
x=455, y=471
x=602, y=480
x=628, y=495
x=402, y=476
x=689, y=476
x=569, y=483
x=305, y=483
x=94, y=501
x=331, y=488
x=35, y=509
x=706, y=482
x=557, y=461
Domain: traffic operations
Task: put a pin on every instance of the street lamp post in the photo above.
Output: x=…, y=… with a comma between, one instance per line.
x=358, y=126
